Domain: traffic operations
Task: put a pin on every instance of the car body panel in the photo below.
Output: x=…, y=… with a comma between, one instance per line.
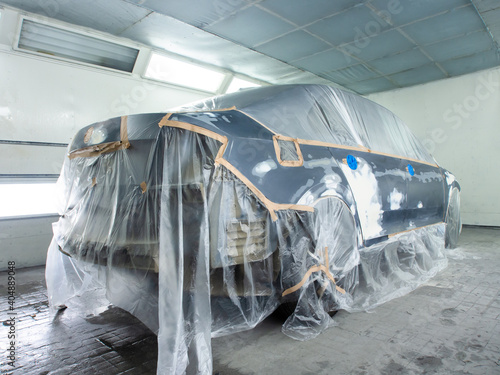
x=388, y=199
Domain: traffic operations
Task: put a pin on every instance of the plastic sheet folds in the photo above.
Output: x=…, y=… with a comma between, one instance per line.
x=199, y=235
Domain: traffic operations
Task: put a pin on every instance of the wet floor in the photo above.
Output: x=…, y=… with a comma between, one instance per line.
x=450, y=325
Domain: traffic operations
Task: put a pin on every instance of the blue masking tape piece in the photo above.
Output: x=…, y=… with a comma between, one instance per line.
x=411, y=171
x=352, y=162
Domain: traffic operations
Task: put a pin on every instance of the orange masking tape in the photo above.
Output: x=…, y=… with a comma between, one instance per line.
x=310, y=271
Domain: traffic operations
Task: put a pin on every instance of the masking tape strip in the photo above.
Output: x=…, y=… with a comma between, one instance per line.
x=104, y=148
x=361, y=149
x=124, y=132
x=277, y=149
x=221, y=151
x=332, y=145
x=412, y=229
x=194, y=128
x=296, y=207
x=324, y=268
x=97, y=150
x=271, y=206
x=64, y=252
x=251, y=186
x=402, y=157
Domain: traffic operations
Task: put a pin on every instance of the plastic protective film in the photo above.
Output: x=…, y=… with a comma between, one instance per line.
x=166, y=231
x=325, y=114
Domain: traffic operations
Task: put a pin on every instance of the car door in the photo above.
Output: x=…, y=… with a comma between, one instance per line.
x=379, y=185
x=426, y=194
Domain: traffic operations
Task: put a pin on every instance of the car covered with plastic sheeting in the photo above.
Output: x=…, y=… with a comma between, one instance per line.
x=204, y=220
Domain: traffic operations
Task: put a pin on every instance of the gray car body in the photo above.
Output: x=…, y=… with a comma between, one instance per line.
x=382, y=194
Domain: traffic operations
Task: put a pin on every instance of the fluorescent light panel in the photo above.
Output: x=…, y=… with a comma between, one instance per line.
x=166, y=69
x=40, y=38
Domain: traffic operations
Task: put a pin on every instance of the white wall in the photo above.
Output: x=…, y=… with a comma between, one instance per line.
x=458, y=119
x=46, y=100
x=25, y=241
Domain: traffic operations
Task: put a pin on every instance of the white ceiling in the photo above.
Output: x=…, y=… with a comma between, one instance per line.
x=366, y=46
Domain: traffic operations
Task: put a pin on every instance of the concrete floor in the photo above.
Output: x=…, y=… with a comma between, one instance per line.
x=450, y=325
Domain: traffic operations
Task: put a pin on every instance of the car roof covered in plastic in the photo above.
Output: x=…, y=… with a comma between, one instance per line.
x=322, y=113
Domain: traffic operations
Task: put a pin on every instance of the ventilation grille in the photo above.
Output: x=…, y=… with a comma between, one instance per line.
x=56, y=42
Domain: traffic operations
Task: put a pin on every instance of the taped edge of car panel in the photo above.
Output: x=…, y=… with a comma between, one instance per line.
x=299, y=162
x=103, y=148
x=272, y=207
x=325, y=268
